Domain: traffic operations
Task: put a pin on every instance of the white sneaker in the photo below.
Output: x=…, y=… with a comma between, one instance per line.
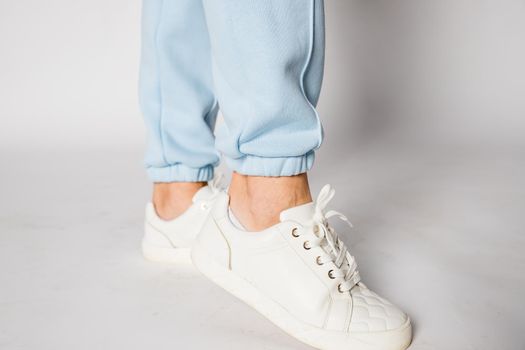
x=171, y=240
x=300, y=275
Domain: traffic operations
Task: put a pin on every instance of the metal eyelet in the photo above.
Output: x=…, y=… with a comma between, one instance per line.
x=339, y=288
x=204, y=206
x=294, y=232
x=330, y=274
x=305, y=246
x=318, y=260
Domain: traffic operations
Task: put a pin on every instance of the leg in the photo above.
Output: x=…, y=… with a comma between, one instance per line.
x=295, y=269
x=268, y=66
x=177, y=102
x=257, y=201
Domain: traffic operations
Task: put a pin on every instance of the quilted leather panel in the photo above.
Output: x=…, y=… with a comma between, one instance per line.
x=371, y=313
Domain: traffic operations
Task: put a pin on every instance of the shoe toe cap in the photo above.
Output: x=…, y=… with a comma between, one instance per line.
x=372, y=313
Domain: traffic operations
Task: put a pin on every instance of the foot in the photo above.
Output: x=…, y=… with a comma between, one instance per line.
x=171, y=240
x=299, y=274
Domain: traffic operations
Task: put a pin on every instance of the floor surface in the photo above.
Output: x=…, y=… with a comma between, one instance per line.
x=440, y=234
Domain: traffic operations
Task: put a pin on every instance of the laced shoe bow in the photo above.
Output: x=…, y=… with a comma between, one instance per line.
x=333, y=247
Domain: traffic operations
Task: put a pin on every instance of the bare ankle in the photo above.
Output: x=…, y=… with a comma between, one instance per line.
x=257, y=201
x=173, y=198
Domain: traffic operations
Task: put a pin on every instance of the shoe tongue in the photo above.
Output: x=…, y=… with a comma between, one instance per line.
x=202, y=194
x=302, y=213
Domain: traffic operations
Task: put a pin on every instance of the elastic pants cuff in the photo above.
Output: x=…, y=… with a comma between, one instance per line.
x=279, y=166
x=180, y=173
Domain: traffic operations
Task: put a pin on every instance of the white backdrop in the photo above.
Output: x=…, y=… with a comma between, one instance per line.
x=69, y=74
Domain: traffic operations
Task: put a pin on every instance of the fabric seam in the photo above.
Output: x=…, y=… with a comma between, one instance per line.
x=305, y=67
x=161, y=110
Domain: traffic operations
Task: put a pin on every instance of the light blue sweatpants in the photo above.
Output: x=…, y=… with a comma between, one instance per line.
x=261, y=61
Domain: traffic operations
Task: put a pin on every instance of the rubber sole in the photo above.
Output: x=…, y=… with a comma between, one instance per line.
x=397, y=339
x=170, y=255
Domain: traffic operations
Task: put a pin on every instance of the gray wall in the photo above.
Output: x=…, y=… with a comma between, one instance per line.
x=433, y=72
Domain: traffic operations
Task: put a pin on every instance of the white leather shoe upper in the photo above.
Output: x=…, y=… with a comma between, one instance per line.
x=170, y=240
x=181, y=231
x=302, y=265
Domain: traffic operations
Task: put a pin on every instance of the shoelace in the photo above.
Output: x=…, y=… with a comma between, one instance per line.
x=333, y=247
